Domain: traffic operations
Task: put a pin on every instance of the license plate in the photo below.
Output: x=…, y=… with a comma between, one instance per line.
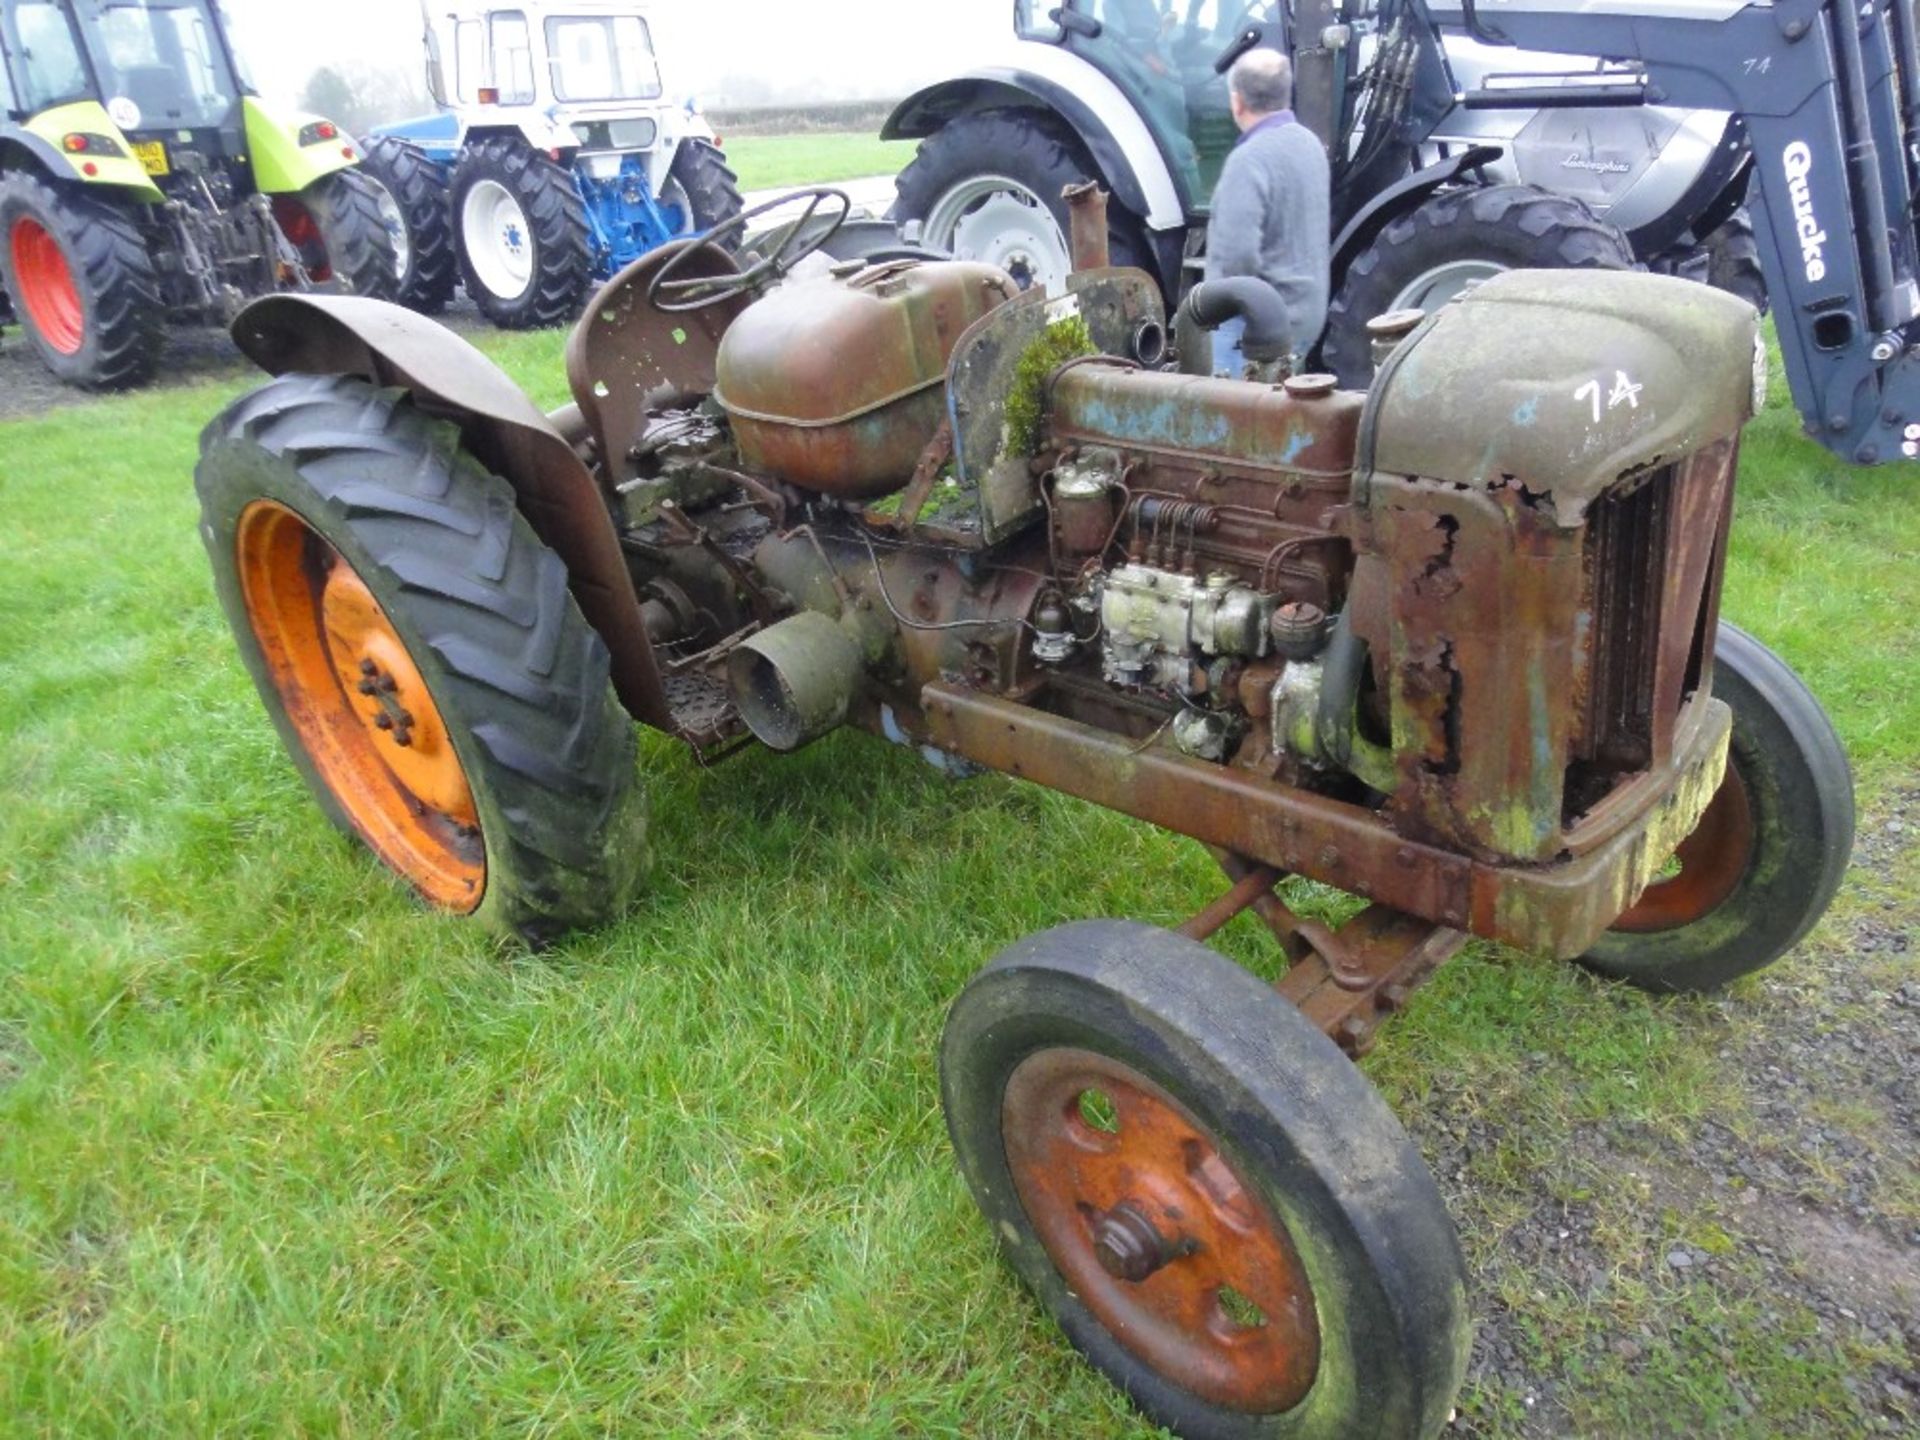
x=152, y=154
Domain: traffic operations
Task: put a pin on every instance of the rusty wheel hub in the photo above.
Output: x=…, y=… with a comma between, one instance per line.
x=360, y=706
x=1706, y=869
x=1148, y=1222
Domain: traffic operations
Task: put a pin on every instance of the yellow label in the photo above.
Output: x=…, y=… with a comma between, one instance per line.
x=152, y=154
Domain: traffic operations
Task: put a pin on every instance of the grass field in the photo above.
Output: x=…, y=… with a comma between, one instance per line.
x=281, y=1153
x=765, y=161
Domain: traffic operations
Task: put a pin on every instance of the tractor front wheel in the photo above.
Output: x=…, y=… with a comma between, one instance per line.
x=415, y=207
x=1426, y=257
x=421, y=655
x=1214, y=1204
x=82, y=281
x=525, y=252
x=341, y=235
x=1765, y=860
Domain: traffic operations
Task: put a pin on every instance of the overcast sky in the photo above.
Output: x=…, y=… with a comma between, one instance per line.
x=821, y=49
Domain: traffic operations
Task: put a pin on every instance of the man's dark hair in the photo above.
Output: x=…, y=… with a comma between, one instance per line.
x=1263, y=79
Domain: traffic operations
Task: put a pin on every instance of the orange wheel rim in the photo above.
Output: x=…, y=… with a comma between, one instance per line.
x=47, y=291
x=1182, y=1262
x=360, y=706
x=1712, y=862
x=296, y=222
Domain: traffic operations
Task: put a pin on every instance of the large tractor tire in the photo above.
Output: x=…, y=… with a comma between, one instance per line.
x=421, y=655
x=344, y=244
x=710, y=188
x=1428, y=256
x=417, y=212
x=1733, y=261
x=526, y=255
x=1218, y=1210
x=987, y=187
x=1768, y=856
x=82, y=281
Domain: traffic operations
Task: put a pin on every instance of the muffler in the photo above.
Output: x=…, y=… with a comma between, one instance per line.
x=794, y=683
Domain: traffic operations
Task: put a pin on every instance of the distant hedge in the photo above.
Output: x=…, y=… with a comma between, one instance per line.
x=855, y=115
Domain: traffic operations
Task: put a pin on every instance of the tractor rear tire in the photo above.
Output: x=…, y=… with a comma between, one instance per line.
x=1767, y=858
x=712, y=189
x=421, y=656
x=343, y=240
x=1212, y=1201
x=1733, y=261
x=82, y=281
x=424, y=260
x=1011, y=163
x=1423, y=258
x=526, y=256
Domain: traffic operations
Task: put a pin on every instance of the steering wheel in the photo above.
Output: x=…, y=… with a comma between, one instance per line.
x=673, y=296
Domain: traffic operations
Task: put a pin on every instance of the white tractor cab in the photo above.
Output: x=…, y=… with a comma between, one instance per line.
x=558, y=157
x=1415, y=110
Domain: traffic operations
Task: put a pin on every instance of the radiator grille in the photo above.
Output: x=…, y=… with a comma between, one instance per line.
x=1630, y=543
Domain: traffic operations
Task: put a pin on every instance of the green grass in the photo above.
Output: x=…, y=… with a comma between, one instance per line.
x=766, y=162
x=280, y=1152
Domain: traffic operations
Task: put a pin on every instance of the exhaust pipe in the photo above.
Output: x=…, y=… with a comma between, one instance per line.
x=1087, y=220
x=794, y=683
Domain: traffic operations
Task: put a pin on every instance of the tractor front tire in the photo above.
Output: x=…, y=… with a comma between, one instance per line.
x=1768, y=856
x=1217, y=1208
x=526, y=256
x=82, y=281
x=1733, y=261
x=1424, y=258
x=421, y=656
x=424, y=259
x=711, y=187
x=986, y=187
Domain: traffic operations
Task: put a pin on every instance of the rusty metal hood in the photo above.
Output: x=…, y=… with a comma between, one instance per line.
x=1580, y=380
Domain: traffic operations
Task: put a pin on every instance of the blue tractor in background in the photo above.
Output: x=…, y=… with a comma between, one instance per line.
x=555, y=159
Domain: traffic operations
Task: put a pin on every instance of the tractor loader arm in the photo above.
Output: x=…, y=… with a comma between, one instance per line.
x=392, y=346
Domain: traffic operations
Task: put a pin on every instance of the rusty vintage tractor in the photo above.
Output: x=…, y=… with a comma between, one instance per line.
x=1451, y=646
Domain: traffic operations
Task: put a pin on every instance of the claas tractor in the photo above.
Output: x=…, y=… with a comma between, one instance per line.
x=142, y=180
x=1452, y=647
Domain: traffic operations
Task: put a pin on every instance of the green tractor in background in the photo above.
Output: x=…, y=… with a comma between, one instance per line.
x=142, y=181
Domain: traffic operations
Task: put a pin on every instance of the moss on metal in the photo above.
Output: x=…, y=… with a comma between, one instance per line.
x=1060, y=342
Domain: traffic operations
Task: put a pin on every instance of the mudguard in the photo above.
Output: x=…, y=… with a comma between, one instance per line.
x=391, y=346
x=281, y=164
x=41, y=136
x=1397, y=199
x=1044, y=77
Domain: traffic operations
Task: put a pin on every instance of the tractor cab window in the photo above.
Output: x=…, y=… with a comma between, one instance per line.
x=1162, y=53
x=493, y=60
x=160, y=62
x=602, y=57
x=43, y=56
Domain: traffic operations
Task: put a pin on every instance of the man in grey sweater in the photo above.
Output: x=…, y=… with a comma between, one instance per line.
x=1270, y=209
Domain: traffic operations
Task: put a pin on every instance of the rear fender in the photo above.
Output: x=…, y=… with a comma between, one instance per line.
x=1397, y=200
x=42, y=139
x=281, y=164
x=1044, y=77
x=392, y=346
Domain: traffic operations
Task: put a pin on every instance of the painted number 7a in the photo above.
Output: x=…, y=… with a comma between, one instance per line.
x=1624, y=392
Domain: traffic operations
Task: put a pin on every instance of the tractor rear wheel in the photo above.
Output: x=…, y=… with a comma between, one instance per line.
x=82, y=281
x=1429, y=255
x=1766, y=859
x=521, y=232
x=1214, y=1204
x=987, y=187
x=711, y=189
x=342, y=238
x=421, y=656
x=420, y=221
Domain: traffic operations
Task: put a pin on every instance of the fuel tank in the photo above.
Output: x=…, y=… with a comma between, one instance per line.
x=836, y=384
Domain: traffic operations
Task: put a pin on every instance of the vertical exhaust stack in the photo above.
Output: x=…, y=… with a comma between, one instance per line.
x=1087, y=220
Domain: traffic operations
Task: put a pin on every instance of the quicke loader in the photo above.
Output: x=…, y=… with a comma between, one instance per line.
x=1452, y=646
